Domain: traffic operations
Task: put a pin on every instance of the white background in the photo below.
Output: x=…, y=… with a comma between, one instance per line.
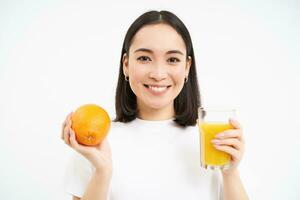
x=57, y=55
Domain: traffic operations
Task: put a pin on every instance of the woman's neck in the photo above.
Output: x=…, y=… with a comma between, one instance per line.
x=153, y=114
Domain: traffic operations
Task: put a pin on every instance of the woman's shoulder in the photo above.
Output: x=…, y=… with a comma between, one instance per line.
x=117, y=126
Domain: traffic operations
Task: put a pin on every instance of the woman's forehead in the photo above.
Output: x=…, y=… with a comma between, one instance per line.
x=158, y=38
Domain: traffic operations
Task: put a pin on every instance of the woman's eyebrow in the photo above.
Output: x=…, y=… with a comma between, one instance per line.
x=150, y=51
x=174, y=51
x=143, y=50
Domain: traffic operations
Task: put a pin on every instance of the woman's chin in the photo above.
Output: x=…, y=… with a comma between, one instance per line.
x=157, y=105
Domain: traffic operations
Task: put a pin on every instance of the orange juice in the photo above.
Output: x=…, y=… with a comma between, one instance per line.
x=209, y=154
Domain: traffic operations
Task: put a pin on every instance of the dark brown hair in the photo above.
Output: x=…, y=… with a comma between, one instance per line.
x=188, y=100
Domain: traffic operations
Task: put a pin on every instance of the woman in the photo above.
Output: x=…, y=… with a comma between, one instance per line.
x=152, y=150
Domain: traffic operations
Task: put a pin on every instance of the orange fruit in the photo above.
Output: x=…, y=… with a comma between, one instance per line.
x=91, y=124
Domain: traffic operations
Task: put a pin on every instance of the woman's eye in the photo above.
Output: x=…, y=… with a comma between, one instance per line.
x=144, y=58
x=173, y=60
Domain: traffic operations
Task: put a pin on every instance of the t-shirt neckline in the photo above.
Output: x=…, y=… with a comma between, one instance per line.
x=164, y=121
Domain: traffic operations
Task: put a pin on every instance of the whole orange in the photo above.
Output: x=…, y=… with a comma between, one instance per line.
x=91, y=124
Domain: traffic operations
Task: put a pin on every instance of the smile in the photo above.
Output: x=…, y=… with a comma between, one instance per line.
x=157, y=89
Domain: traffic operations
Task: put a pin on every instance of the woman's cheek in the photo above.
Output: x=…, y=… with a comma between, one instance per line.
x=178, y=76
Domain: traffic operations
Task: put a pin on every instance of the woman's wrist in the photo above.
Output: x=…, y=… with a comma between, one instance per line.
x=230, y=173
x=103, y=175
x=232, y=185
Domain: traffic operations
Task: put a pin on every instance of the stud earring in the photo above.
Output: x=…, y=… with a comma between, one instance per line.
x=186, y=79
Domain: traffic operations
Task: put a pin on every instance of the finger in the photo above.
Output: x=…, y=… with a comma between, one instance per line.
x=232, y=133
x=237, y=144
x=73, y=141
x=235, y=154
x=74, y=144
x=235, y=123
x=63, y=129
x=69, y=120
x=67, y=134
x=64, y=124
x=69, y=117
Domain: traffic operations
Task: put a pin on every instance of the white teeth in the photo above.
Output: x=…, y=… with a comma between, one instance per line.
x=157, y=89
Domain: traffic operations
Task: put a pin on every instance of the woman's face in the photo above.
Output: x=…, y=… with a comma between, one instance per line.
x=156, y=66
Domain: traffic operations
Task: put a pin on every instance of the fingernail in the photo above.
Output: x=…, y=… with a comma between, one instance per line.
x=219, y=135
x=215, y=141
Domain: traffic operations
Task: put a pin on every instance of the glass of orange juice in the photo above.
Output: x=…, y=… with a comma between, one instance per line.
x=211, y=122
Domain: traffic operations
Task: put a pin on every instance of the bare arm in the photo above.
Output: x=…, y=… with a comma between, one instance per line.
x=233, y=187
x=98, y=187
x=100, y=158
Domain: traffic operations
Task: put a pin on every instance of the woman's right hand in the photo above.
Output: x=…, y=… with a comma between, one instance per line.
x=99, y=156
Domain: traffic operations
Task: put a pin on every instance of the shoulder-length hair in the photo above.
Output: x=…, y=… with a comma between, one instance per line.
x=188, y=100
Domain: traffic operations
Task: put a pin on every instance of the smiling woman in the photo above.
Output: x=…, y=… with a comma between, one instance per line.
x=156, y=65
x=158, y=51
x=152, y=151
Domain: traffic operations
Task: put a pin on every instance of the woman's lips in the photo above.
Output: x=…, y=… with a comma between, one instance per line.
x=157, y=89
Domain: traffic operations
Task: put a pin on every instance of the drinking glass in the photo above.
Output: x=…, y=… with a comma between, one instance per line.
x=210, y=122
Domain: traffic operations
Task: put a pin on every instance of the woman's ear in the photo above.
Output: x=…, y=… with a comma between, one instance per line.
x=188, y=66
x=125, y=64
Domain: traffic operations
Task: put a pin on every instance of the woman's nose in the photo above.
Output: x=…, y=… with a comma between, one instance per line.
x=158, y=72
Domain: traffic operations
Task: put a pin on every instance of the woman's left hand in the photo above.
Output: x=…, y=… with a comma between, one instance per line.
x=232, y=142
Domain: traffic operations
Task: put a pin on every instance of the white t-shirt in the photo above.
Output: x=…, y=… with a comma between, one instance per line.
x=151, y=160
